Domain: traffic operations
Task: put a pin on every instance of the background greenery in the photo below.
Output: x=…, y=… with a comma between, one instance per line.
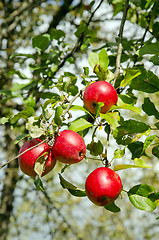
x=50, y=50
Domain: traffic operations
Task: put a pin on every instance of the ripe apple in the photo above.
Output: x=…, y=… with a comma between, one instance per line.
x=100, y=91
x=103, y=186
x=69, y=147
x=28, y=159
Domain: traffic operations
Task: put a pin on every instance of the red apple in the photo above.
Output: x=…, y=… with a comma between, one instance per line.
x=28, y=159
x=100, y=91
x=103, y=186
x=69, y=147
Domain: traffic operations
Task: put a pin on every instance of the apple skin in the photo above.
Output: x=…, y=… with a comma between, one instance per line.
x=28, y=159
x=103, y=186
x=69, y=147
x=100, y=91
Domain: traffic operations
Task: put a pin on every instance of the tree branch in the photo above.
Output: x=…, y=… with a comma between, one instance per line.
x=118, y=59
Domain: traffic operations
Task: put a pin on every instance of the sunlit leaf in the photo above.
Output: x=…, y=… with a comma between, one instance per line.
x=40, y=164
x=79, y=125
x=119, y=153
x=149, y=108
x=129, y=74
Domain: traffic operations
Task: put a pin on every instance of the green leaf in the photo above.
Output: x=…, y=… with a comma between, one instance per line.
x=30, y=102
x=151, y=48
x=112, y=119
x=77, y=192
x=129, y=74
x=38, y=183
x=112, y=207
x=132, y=126
x=128, y=107
x=145, y=82
x=154, y=196
x=79, y=125
x=142, y=190
x=5, y=92
x=41, y=42
x=27, y=112
x=155, y=151
x=98, y=106
x=127, y=99
x=71, y=188
x=40, y=164
x=21, y=75
x=95, y=148
x=57, y=34
x=103, y=59
x=149, y=108
x=17, y=86
x=93, y=59
x=124, y=133
x=148, y=141
x=141, y=163
x=50, y=95
x=79, y=108
x=119, y=153
x=4, y=120
x=127, y=166
x=21, y=137
x=138, y=196
x=142, y=203
x=136, y=148
x=58, y=114
x=154, y=60
x=35, y=130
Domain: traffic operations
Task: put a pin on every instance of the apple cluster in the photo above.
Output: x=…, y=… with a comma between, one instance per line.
x=103, y=185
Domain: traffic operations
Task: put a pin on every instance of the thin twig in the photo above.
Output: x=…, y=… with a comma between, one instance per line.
x=118, y=59
x=1, y=166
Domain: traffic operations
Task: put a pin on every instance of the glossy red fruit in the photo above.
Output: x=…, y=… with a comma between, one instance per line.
x=69, y=147
x=103, y=186
x=28, y=159
x=100, y=91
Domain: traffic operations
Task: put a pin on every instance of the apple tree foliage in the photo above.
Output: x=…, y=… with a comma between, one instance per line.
x=52, y=99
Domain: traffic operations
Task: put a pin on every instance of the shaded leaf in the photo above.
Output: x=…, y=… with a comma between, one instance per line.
x=136, y=148
x=148, y=81
x=151, y=48
x=112, y=207
x=149, y=108
x=38, y=183
x=21, y=137
x=155, y=151
x=41, y=42
x=129, y=74
x=95, y=148
x=57, y=33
